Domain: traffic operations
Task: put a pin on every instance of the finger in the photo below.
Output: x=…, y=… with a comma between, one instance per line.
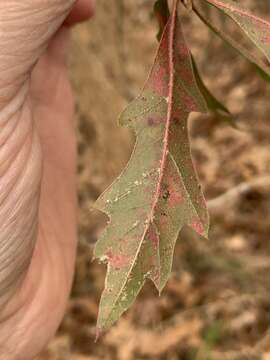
x=83, y=10
x=26, y=28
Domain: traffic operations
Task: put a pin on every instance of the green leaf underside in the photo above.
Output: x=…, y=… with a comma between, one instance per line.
x=262, y=68
x=213, y=104
x=257, y=29
x=158, y=192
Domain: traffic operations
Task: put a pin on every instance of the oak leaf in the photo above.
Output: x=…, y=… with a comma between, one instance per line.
x=158, y=192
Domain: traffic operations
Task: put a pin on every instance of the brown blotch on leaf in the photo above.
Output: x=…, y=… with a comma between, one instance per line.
x=154, y=121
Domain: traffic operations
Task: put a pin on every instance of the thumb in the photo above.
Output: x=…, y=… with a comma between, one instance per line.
x=25, y=29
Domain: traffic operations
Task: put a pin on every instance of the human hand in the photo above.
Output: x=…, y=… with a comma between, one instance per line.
x=38, y=206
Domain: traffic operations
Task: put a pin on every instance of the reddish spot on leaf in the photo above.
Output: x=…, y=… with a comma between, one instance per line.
x=266, y=39
x=181, y=57
x=175, y=199
x=172, y=192
x=159, y=80
x=189, y=103
x=117, y=261
x=198, y=227
x=184, y=52
x=153, y=237
x=154, y=121
x=163, y=221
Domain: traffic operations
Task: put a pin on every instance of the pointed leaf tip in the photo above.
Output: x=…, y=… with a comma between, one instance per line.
x=98, y=335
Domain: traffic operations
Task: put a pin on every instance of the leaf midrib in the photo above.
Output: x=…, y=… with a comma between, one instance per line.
x=169, y=113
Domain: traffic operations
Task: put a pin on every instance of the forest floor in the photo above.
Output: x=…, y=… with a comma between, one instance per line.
x=216, y=305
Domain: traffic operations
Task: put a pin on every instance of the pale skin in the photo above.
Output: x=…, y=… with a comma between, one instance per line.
x=38, y=202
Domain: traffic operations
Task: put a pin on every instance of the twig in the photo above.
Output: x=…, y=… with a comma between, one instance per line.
x=232, y=196
x=264, y=344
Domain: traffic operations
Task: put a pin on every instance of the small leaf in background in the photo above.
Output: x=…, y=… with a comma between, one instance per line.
x=158, y=192
x=257, y=29
x=162, y=13
x=214, y=105
x=262, y=68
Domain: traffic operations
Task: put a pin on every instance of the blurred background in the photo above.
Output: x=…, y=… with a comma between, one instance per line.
x=217, y=302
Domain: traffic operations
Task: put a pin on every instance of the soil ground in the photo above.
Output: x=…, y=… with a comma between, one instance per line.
x=217, y=302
